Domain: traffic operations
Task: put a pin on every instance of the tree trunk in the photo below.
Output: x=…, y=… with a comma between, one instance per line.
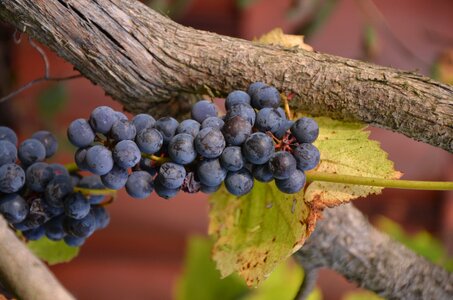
x=143, y=59
x=147, y=61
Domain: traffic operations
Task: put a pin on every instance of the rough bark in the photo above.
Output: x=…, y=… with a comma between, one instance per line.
x=24, y=274
x=142, y=58
x=347, y=243
x=146, y=61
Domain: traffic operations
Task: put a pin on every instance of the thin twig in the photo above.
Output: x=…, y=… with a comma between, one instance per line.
x=17, y=37
x=35, y=81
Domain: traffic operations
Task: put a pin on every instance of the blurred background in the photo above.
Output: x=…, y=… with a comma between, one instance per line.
x=141, y=254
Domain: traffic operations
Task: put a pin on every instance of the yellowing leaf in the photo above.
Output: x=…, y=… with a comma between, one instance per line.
x=53, y=252
x=257, y=231
x=345, y=149
x=277, y=37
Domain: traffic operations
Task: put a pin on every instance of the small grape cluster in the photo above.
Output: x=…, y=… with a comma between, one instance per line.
x=254, y=139
x=38, y=198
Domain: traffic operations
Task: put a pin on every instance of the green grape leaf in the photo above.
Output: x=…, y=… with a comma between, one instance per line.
x=257, y=231
x=346, y=149
x=53, y=252
x=201, y=280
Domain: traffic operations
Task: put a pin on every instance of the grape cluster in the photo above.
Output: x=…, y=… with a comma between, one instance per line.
x=253, y=140
x=38, y=198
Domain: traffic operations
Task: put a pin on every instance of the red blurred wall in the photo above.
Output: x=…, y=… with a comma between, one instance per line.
x=140, y=254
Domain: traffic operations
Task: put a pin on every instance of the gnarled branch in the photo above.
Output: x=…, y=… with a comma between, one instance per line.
x=145, y=61
x=23, y=273
x=142, y=58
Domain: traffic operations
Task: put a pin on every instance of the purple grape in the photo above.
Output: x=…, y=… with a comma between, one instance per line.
x=13, y=207
x=258, y=148
x=149, y=140
x=245, y=111
x=210, y=172
x=189, y=126
x=181, y=149
x=203, y=109
x=282, y=164
x=143, y=121
x=306, y=130
x=115, y=179
x=102, y=119
x=12, y=178
x=125, y=154
x=209, y=143
x=38, y=175
x=167, y=126
x=307, y=156
x=123, y=130
x=171, y=175
x=213, y=122
x=8, y=134
x=231, y=158
x=80, y=133
x=236, y=97
x=31, y=151
x=236, y=131
x=99, y=159
x=139, y=184
x=239, y=183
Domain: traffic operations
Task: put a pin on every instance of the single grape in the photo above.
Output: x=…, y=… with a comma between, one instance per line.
x=307, y=156
x=57, y=189
x=236, y=97
x=149, y=140
x=102, y=216
x=37, y=176
x=48, y=140
x=126, y=154
x=31, y=151
x=282, y=164
x=181, y=149
x=262, y=173
x=34, y=234
x=167, y=126
x=236, y=131
x=80, y=133
x=80, y=227
x=123, y=130
x=189, y=126
x=244, y=111
x=232, y=159
x=80, y=158
x=210, y=172
x=115, y=179
x=267, y=96
x=8, y=134
x=76, y=206
x=13, y=207
x=258, y=148
x=171, y=175
x=281, y=112
x=54, y=228
x=306, y=130
x=165, y=192
x=209, y=189
x=93, y=182
x=293, y=184
x=268, y=119
x=209, y=142
x=8, y=152
x=143, y=121
x=239, y=183
x=102, y=119
x=139, y=184
x=12, y=178
x=203, y=109
x=99, y=159
x=74, y=241
x=213, y=122
x=254, y=87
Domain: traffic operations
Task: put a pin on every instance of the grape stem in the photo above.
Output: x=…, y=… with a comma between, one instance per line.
x=388, y=183
x=157, y=159
x=94, y=192
x=286, y=105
